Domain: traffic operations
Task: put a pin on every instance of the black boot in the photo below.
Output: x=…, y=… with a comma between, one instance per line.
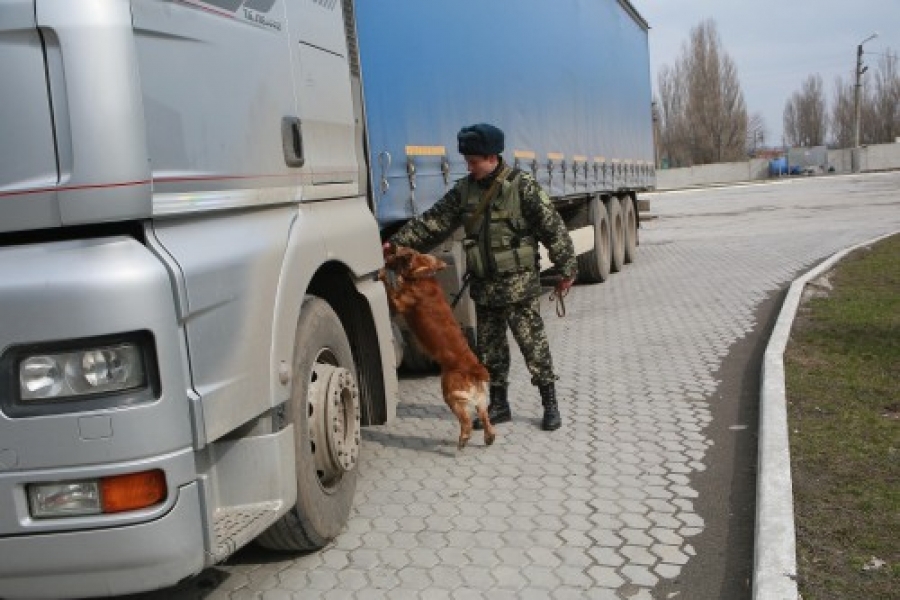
x=498, y=409
x=552, y=421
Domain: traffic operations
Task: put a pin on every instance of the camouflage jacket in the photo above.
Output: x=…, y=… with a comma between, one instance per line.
x=544, y=224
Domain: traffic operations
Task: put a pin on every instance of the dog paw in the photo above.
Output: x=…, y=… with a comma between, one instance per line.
x=462, y=443
x=489, y=438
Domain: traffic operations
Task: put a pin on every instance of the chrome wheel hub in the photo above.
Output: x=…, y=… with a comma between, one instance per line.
x=334, y=422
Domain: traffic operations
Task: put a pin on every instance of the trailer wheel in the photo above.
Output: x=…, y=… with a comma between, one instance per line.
x=629, y=218
x=324, y=409
x=399, y=343
x=617, y=237
x=593, y=266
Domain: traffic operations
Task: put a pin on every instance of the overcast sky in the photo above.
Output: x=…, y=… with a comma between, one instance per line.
x=777, y=44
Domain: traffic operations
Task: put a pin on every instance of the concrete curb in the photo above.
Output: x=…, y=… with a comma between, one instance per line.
x=775, y=556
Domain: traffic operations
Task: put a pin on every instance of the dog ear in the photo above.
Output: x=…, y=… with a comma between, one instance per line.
x=425, y=265
x=433, y=263
x=397, y=259
x=438, y=264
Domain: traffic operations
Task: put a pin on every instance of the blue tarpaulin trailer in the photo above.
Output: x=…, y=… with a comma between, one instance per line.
x=568, y=81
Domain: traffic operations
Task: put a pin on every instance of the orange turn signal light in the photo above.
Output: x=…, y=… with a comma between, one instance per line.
x=132, y=491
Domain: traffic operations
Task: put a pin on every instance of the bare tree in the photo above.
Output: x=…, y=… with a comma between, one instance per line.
x=756, y=133
x=885, y=101
x=805, y=117
x=792, y=120
x=674, y=133
x=843, y=114
x=703, y=116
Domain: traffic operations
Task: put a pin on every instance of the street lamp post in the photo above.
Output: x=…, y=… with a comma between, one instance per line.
x=860, y=69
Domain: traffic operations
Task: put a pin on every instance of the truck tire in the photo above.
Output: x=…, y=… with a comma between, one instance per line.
x=324, y=409
x=629, y=218
x=617, y=235
x=593, y=266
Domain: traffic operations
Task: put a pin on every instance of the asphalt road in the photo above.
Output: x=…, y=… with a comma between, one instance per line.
x=647, y=491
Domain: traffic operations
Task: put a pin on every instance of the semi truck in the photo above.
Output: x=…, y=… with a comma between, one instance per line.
x=193, y=196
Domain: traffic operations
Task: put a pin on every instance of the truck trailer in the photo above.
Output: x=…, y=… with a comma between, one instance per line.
x=193, y=195
x=567, y=81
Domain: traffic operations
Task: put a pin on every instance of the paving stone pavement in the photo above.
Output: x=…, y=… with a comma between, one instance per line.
x=603, y=508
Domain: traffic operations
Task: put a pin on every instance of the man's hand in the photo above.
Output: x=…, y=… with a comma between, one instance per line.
x=563, y=285
x=560, y=291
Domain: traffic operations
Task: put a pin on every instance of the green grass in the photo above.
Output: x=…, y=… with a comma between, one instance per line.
x=842, y=368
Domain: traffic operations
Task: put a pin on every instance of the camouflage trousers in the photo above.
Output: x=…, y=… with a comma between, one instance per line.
x=524, y=320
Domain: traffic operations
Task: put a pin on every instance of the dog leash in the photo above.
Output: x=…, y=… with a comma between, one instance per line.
x=558, y=297
x=466, y=279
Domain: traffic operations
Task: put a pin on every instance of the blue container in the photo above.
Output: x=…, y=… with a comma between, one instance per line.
x=778, y=166
x=567, y=80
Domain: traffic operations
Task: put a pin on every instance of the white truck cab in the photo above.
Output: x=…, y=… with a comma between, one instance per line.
x=191, y=335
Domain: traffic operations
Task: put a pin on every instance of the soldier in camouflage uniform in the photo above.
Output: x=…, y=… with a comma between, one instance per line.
x=502, y=260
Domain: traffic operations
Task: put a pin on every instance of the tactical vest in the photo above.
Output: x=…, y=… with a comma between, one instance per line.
x=498, y=242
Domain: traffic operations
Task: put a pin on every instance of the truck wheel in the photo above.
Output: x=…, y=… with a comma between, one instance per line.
x=593, y=266
x=629, y=218
x=617, y=237
x=324, y=409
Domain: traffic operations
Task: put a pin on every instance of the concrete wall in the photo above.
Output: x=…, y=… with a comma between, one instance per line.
x=711, y=174
x=881, y=157
x=840, y=160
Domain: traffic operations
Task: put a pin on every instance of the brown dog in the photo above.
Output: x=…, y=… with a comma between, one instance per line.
x=413, y=291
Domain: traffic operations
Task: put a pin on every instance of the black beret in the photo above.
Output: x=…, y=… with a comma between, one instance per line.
x=480, y=139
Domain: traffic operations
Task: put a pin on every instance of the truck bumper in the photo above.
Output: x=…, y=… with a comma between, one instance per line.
x=107, y=562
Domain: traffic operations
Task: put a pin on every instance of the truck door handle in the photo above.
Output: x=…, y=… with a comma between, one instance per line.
x=292, y=141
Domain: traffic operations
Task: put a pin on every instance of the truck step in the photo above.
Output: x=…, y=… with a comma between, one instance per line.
x=236, y=526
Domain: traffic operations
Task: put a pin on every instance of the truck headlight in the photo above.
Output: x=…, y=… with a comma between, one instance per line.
x=64, y=375
x=79, y=375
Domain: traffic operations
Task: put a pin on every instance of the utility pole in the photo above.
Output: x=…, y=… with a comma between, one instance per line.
x=654, y=115
x=860, y=69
